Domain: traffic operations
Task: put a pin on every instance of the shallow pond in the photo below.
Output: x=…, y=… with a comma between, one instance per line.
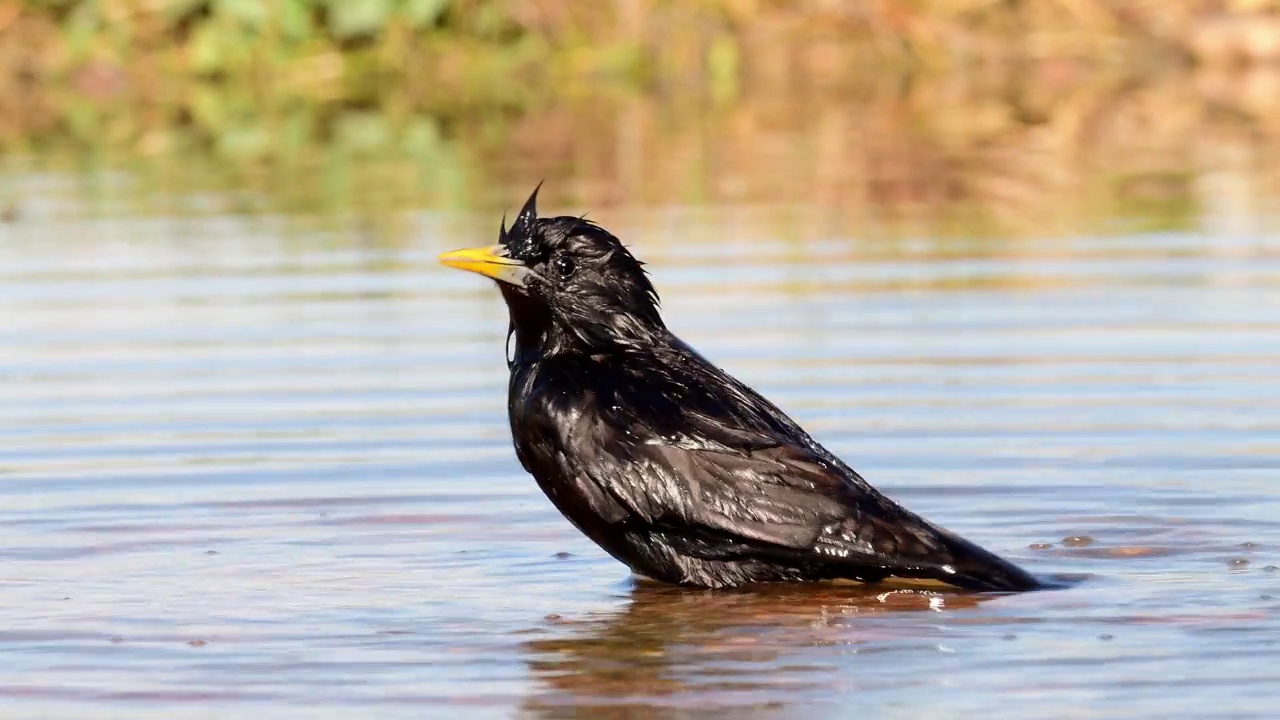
x=249, y=470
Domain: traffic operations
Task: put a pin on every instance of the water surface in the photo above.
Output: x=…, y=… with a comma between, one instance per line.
x=250, y=469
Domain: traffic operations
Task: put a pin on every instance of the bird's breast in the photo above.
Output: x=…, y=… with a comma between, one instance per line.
x=554, y=430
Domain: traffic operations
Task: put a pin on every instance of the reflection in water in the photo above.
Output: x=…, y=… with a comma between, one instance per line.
x=1052, y=148
x=252, y=463
x=671, y=650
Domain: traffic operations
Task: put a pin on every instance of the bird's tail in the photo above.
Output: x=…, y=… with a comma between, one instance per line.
x=975, y=568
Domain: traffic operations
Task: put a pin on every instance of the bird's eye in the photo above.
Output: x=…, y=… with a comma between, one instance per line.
x=564, y=266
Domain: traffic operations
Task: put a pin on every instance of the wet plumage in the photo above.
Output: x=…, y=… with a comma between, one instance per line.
x=665, y=461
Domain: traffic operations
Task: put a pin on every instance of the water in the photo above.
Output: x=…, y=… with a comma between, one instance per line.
x=252, y=469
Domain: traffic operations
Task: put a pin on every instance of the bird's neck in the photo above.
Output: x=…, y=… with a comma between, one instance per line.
x=553, y=339
x=541, y=334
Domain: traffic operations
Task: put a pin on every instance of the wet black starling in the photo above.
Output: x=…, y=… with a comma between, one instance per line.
x=672, y=466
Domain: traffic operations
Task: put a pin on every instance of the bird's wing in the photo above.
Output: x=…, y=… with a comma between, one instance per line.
x=725, y=489
x=722, y=474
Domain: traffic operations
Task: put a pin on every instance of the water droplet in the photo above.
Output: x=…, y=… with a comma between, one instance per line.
x=1271, y=568
x=1105, y=636
x=1040, y=546
x=1238, y=562
x=197, y=643
x=1077, y=541
x=1009, y=636
x=563, y=555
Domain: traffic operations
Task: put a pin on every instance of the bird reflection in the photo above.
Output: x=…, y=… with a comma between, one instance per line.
x=673, y=652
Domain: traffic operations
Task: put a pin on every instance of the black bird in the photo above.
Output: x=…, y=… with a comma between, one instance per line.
x=667, y=462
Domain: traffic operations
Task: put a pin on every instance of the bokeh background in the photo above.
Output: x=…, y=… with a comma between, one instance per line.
x=893, y=116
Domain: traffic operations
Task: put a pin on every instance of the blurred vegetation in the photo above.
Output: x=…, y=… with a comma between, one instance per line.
x=341, y=46
x=963, y=116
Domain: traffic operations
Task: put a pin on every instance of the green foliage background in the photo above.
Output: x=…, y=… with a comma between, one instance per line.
x=367, y=107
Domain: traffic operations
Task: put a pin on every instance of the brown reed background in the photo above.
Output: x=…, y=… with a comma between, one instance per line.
x=896, y=117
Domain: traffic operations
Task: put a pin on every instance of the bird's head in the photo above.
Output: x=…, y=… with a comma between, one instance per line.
x=566, y=280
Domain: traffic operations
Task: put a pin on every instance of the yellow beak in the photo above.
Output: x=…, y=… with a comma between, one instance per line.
x=489, y=261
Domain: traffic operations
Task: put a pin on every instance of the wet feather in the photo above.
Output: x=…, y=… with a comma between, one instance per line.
x=670, y=464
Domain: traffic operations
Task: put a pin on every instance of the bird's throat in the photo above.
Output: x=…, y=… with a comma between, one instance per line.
x=531, y=321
